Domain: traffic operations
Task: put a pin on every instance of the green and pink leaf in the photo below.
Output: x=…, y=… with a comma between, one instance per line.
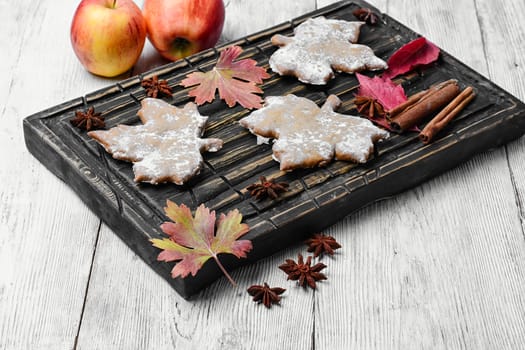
x=193, y=241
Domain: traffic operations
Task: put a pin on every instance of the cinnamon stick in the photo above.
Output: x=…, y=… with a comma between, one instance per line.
x=401, y=107
x=433, y=100
x=446, y=115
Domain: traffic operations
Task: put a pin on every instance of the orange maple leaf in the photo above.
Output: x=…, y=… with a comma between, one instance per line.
x=235, y=80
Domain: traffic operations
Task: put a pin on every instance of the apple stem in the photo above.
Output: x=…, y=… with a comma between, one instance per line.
x=114, y=4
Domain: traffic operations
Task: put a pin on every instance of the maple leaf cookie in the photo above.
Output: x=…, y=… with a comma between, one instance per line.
x=320, y=45
x=307, y=136
x=166, y=148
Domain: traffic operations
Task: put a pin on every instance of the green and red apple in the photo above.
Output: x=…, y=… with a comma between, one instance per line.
x=179, y=28
x=108, y=35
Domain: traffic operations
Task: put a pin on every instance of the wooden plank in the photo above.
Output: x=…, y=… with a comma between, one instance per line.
x=47, y=235
x=378, y=4
x=244, y=17
x=448, y=31
x=506, y=66
x=131, y=308
x=434, y=267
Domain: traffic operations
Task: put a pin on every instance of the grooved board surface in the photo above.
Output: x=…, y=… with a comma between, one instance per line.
x=316, y=197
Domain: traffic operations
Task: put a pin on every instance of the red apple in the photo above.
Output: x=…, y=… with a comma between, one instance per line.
x=108, y=35
x=179, y=28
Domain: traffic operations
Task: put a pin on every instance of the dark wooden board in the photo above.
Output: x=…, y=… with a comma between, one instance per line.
x=317, y=197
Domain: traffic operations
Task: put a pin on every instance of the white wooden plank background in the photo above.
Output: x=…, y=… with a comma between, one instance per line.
x=440, y=266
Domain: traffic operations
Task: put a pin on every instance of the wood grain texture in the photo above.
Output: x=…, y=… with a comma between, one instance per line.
x=47, y=236
x=395, y=284
x=244, y=17
x=427, y=269
x=221, y=317
x=506, y=66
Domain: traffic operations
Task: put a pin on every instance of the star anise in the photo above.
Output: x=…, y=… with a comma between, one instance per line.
x=88, y=120
x=321, y=243
x=155, y=87
x=302, y=272
x=267, y=188
x=369, y=107
x=266, y=295
x=366, y=15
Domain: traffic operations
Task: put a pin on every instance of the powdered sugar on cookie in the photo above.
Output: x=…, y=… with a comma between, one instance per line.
x=307, y=136
x=166, y=148
x=320, y=45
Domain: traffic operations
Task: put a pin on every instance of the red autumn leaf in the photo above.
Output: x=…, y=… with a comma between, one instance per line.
x=193, y=240
x=416, y=53
x=235, y=80
x=384, y=90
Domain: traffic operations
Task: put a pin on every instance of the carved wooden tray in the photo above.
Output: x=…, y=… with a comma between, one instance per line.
x=317, y=197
